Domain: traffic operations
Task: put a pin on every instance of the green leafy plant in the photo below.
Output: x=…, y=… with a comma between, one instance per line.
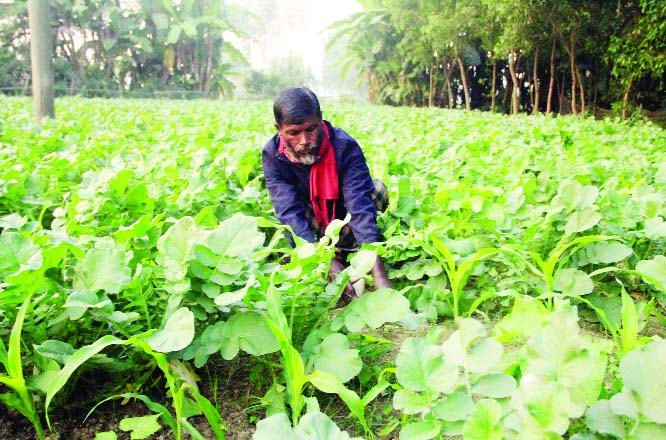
x=176, y=334
x=637, y=411
x=457, y=272
x=21, y=398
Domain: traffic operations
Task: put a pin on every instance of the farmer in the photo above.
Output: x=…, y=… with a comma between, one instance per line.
x=315, y=173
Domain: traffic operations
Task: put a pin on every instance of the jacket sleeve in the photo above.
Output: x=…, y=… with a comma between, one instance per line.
x=283, y=194
x=357, y=187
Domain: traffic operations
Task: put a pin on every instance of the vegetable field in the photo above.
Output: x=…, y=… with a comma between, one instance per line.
x=138, y=248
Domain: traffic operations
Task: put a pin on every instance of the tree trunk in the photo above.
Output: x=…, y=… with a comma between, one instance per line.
x=449, y=90
x=210, y=42
x=463, y=77
x=41, y=52
x=514, y=79
x=492, y=87
x=536, y=82
x=581, y=86
x=431, y=92
x=551, y=86
x=561, y=91
x=572, y=57
x=505, y=97
x=625, y=99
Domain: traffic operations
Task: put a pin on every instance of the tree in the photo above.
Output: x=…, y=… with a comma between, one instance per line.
x=40, y=59
x=371, y=41
x=285, y=72
x=640, y=50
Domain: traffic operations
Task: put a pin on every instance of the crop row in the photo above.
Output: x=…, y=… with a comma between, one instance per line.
x=138, y=239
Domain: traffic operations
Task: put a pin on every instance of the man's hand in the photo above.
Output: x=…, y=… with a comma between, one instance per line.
x=379, y=275
x=349, y=293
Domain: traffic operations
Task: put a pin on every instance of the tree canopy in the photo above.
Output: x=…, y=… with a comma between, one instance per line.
x=513, y=55
x=567, y=56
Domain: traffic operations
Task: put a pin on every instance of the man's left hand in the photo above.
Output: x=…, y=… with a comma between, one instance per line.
x=379, y=275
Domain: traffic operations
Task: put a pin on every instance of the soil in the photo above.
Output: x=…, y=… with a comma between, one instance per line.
x=71, y=423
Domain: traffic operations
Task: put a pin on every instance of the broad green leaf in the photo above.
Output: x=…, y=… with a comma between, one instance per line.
x=424, y=430
x=312, y=426
x=237, y=236
x=103, y=269
x=649, y=431
x=106, y=435
x=654, y=271
x=205, y=256
x=561, y=354
x=454, y=407
x=274, y=400
x=606, y=252
x=573, y=282
x=464, y=347
x=495, y=385
x=625, y=404
x=421, y=367
x=527, y=318
x=12, y=221
x=642, y=374
x=384, y=305
x=361, y=263
x=484, y=423
x=79, y=301
x=141, y=427
x=253, y=334
x=318, y=426
x=410, y=402
x=601, y=419
x=177, y=333
x=178, y=241
x=580, y=221
x=483, y=355
x=334, y=356
x=373, y=309
x=542, y=404
x=572, y=195
x=57, y=350
x=275, y=427
x=655, y=228
x=17, y=254
x=229, y=298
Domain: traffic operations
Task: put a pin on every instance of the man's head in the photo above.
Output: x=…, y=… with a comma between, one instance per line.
x=298, y=122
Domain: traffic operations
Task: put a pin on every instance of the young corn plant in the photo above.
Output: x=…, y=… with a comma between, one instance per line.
x=177, y=334
x=551, y=270
x=457, y=273
x=21, y=398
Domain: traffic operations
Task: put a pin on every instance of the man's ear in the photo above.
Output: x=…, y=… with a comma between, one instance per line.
x=277, y=126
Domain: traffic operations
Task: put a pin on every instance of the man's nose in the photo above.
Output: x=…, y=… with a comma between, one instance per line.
x=303, y=139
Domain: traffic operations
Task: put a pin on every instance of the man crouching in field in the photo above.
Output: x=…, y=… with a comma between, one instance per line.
x=316, y=173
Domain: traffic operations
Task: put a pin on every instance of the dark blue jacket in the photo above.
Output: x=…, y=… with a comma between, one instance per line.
x=289, y=188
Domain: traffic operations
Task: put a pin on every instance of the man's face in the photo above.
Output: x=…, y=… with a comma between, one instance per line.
x=302, y=141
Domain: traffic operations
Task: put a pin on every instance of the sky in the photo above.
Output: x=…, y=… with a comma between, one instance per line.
x=296, y=29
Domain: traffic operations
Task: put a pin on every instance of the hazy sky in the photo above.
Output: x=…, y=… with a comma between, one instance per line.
x=296, y=28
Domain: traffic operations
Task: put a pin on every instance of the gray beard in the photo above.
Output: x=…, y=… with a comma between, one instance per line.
x=309, y=159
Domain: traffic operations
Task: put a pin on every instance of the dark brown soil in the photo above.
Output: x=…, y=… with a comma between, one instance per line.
x=231, y=401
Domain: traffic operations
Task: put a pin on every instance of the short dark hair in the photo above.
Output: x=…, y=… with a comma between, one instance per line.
x=294, y=105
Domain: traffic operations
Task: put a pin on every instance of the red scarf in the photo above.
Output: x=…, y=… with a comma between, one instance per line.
x=323, y=180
